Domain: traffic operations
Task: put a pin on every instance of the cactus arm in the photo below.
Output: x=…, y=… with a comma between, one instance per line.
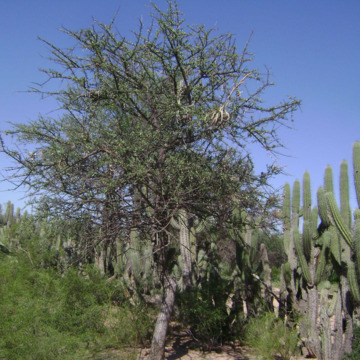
x=356, y=164
x=353, y=281
x=328, y=181
x=300, y=254
x=306, y=196
x=286, y=208
x=322, y=206
x=337, y=219
x=296, y=204
x=357, y=237
x=185, y=246
x=175, y=224
x=344, y=194
x=307, y=232
x=314, y=220
x=307, y=239
x=198, y=226
x=335, y=247
x=321, y=263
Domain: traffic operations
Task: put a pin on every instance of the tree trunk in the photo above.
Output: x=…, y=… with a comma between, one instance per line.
x=162, y=322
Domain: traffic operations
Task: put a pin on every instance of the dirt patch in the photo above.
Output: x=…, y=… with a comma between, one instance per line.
x=181, y=346
x=183, y=353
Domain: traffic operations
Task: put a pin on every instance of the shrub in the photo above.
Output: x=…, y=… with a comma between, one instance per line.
x=46, y=315
x=355, y=353
x=203, y=310
x=29, y=299
x=270, y=336
x=128, y=325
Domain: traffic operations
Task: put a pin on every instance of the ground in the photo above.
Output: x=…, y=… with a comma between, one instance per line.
x=180, y=346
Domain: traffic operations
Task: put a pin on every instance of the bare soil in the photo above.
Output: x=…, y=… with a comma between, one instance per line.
x=181, y=346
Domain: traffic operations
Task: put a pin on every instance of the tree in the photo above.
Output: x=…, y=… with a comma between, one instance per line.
x=149, y=127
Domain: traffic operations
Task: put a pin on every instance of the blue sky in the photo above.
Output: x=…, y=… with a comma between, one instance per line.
x=311, y=47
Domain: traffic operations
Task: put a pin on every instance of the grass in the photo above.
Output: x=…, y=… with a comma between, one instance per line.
x=45, y=315
x=270, y=337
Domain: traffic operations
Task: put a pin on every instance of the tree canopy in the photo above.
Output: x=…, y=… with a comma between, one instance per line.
x=148, y=126
x=171, y=110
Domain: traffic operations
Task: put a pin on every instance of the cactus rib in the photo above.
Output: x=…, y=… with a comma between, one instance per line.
x=338, y=221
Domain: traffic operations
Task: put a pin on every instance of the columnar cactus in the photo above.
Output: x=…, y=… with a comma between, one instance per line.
x=188, y=230
x=307, y=228
x=356, y=163
x=344, y=194
x=311, y=256
x=322, y=206
x=290, y=219
x=328, y=180
x=347, y=261
x=335, y=242
x=185, y=247
x=9, y=214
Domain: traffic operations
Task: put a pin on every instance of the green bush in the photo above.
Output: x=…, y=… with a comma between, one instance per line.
x=355, y=353
x=29, y=299
x=46, y=315
x=203, y=310
x=269, y=336
x=128, y=325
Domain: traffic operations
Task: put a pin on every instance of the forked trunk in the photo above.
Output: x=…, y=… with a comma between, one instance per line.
x=162, y=322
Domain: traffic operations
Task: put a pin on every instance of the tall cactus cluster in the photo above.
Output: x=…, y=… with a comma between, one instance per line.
x=251, y=261
x=306, y=260
x=9, y=220
x=329, y=248
x=188, y=227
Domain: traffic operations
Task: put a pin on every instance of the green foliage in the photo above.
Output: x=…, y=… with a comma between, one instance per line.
x=48, y=316
x=355, y=353
x=127, y=325
x=172, y=111
x=204, y=310
x=275, y=247
x=271, y=338
x=30, y=304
